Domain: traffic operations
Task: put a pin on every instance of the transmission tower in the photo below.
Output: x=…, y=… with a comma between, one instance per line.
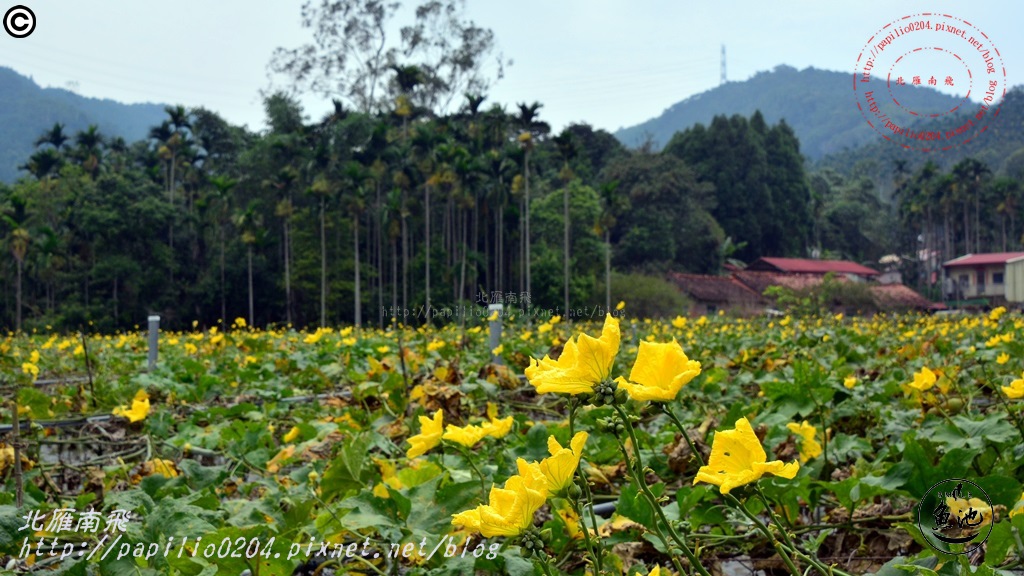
x=723, y=80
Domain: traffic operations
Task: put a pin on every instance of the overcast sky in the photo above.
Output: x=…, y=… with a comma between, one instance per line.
x=609, y=63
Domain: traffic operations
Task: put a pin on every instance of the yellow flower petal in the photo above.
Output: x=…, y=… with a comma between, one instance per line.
x=429, y=436
x=737, y=458
x=809, y=447
x=585, y=361
x=660, y=371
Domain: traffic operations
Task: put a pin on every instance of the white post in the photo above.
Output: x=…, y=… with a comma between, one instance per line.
x=495, y=330
x=154, y=340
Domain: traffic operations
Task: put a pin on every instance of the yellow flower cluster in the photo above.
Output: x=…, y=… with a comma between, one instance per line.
x=510, y=509
x=139, y=409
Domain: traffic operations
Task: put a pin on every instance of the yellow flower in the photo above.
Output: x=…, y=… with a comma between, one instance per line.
x=165, y=468
x=850, y=382
x=923, y=380
x=30, y=368
x=1003, y=358
x=974, y=512
x=737, y=458
x=1015, y=389
x=292, y=435
x=1018, y=508
x=274, y=465
x=190, y=348
x=809, y=447
x=620, y=305
x=678, y=322
x=996, y=313
x=544, y=328
x=239, y=322
x=493, y=316
x=429, y=436
x=498, y=428
x=659, y=372
x=383, y=349
x=555, y=320
x=509, y=510
x=468, y=435
x=139, y=409
x=435, y=344
x=585, y=361
x=560, y=467
x=497, y=350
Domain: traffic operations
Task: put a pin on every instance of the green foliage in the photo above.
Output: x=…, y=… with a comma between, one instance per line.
x=646, y=296
x=830, y=294
x=816, y=103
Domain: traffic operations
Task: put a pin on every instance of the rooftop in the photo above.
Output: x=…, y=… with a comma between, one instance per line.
x=713, y=288
x=984, y=259
x=807, y=266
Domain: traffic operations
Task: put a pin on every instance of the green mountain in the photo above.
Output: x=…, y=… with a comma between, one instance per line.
x=1000, y=147
x=817, y=104
x=26, y=110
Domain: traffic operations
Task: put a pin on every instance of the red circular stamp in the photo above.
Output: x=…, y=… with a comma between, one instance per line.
x=929, y=81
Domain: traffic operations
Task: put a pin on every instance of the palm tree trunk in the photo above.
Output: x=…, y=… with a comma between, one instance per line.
x=565, y=246
x=394, y=277
x=378, y=240
x=405, y=258
x=249, y=258
x=223, y=284
x=17, y=299
x=462, y=275
x=358, y=294
x=607, y=271
x=967, y=229
x=526, y=168
x=323, y=262
x=287, y=274
x=500, y=236
x=426, y=222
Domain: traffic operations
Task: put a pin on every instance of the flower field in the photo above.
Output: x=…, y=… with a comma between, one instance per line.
x=701, y=446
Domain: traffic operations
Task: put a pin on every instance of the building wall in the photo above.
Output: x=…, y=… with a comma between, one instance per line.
x=980, y=282
x=1015, y=280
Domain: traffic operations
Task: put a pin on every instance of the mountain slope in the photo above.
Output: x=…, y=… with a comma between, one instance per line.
x=818, y=104
x=26, y=110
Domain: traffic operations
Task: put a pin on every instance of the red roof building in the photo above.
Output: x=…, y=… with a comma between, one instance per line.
x=708, y=294
x=985, y=276
x=806, y=266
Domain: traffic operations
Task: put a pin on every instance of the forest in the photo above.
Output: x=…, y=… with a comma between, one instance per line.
x=416, y=192
x=410, y=209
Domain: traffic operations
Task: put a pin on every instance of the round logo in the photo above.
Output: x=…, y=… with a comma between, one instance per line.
x=903, y=64
x=20, y=22
x=955, y=516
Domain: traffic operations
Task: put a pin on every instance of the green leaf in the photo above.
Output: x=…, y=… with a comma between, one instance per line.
x=999, y=543
x=348, y=471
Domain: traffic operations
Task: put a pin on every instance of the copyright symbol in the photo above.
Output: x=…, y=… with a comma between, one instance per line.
x=20, y=22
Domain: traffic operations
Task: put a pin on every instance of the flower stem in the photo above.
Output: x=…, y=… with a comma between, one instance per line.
x=483, y=482
x=544, y=565
x=596, y=556
x=638, y=475
x=682, y=430
x=780, y=548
